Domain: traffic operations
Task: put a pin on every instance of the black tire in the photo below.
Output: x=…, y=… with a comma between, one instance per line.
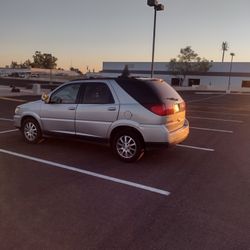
x=31, y=131
x=128, y=146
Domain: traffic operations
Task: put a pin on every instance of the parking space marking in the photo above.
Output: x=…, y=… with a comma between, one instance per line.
x=215, y=119
x=8, y=131
x=213, y=130
x=219, y=113
x=6, y=119
x=207, y=98
x=12, y=99
x=208, y=93
x=89, y=173
x=194, y=147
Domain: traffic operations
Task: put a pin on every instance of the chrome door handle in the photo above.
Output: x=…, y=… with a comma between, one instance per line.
x=72, y=108
x=112, y=109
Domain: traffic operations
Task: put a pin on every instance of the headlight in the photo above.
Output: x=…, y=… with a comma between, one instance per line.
x=17, y=110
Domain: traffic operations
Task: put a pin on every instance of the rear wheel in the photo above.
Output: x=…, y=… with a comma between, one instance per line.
x=128, y=146
x=31, y=131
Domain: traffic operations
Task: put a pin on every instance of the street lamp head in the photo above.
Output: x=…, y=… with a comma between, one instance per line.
x=159, y=7
x=155, y=4
x=152, y=3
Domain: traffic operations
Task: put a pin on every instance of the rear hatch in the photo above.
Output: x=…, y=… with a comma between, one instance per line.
x=172, y=106
x=158, y=97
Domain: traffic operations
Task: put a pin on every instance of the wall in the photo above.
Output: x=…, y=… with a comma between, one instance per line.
x=216, y=79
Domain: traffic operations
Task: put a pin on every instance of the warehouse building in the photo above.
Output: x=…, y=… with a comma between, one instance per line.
x=218, y=78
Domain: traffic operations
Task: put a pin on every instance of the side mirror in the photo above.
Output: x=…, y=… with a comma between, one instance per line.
x=45, y=97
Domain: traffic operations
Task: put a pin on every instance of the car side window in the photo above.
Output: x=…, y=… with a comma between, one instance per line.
x=97, y=93
x=66, y=95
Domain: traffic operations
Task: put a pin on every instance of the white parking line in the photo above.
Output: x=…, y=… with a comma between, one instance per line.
x=12, y=99
x=86, y=172
x=214, y=119
x=208, y=93
x=213, y=130
x=219, y=113
x=6, y=119
x=207, y=98
x=8, y=131
x=193, y=147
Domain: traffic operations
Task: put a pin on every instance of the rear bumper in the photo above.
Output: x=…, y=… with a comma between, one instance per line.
x=158, y=136
x=179, y=135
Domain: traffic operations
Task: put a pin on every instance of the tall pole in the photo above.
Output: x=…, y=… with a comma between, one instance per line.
x=153, y=48
x=50, y=75
x=223, y=53
x=230, y=71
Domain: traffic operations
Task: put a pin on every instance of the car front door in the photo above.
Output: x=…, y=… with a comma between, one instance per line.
x=98, y=109
x=58, y=116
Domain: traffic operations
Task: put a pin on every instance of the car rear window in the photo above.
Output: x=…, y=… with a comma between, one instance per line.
x=148, y=91
x=141, y=91
x=164, y=90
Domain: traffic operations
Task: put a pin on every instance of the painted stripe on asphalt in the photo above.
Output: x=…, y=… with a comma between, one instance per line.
x=6, y=119
x=207, y=98
x=213, y=130
x=219, y=113
x=8, y=131
x=12, y=99
x=86, y=172
x=208, y=93
x=215, y=119
x=193, y=147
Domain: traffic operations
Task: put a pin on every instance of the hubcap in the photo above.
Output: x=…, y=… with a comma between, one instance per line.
x=126, y=146
x=30, y=131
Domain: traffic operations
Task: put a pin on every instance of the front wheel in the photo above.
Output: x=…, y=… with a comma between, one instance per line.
x=128, y=146
x=31, y=131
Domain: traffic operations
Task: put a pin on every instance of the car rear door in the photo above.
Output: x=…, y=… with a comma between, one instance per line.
x=98, y=109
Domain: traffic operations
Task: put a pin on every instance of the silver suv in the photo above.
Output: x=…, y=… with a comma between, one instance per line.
x=128, y=113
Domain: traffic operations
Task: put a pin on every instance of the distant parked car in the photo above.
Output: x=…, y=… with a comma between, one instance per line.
x=34, y=75
x=14, y=74
x=128, y=113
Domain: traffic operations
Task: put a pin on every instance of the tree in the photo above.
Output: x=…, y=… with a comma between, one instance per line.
x=187, y=62
x=14, y=65
x=75, y=70
x=224, y=47
x=125, y=72
x=44, y=61
x=26, y=64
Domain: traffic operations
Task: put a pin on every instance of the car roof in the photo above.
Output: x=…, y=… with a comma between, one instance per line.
x=115, y=78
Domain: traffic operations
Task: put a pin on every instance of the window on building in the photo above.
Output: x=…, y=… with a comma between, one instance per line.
x=245, y=84
x=176, y=81
x=192, y=82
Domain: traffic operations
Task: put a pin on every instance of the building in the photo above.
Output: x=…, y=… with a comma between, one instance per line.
x=38, y=73
x=217, y=78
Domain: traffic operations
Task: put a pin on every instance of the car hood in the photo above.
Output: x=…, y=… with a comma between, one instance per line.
x=31, y=104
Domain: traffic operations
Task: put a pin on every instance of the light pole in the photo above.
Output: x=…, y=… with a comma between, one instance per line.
x=157, y=7
x=230, y=71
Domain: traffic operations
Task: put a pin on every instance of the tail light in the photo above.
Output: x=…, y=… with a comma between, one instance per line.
x=182, y=106
x=166, y=109
x=160, y=109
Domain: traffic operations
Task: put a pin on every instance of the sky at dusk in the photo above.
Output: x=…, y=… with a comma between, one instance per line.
x=83, y=33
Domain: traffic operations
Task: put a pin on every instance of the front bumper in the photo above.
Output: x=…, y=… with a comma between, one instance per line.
x=17, y=121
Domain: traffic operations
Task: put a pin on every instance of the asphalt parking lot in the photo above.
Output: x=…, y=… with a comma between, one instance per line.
x=64, y=194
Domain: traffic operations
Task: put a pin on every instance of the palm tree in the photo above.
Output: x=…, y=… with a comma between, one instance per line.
x=224, y=47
